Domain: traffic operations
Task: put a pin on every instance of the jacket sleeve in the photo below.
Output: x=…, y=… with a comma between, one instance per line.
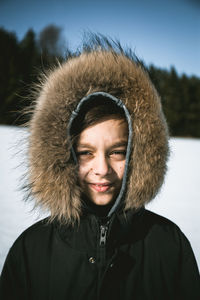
x=189, y=278
x=13, y=277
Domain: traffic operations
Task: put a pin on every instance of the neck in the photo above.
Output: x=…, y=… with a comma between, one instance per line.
x=99, y=210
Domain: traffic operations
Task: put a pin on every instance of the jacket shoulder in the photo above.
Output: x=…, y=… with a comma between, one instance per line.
x=164, y=233
x=160, y=223
x=36, y=233
x=152, y=218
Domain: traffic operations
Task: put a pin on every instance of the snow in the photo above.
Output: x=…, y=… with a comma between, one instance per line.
x=178, y=199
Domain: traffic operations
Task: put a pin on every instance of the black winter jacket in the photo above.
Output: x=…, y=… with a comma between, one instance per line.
x=142, y=256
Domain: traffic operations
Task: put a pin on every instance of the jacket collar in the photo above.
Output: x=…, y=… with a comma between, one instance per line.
x=84, y=236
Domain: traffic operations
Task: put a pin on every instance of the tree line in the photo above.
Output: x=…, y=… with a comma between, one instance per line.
x=22, y=61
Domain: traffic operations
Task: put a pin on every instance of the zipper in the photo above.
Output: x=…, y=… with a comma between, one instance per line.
x=103, y=234
x=103, y=231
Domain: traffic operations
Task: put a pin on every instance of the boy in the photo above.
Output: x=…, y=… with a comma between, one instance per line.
x=97, y=153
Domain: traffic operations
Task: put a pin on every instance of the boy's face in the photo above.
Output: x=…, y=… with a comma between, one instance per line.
x=101, y=152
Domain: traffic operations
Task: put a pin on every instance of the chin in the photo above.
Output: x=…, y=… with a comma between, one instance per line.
x=100, y=201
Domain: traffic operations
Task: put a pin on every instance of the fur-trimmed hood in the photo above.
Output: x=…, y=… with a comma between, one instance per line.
x=52, y=173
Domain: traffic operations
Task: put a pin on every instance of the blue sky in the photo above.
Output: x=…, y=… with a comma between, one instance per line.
x=163, y=32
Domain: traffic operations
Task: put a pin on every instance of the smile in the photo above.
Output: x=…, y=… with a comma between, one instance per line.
x=101, y=187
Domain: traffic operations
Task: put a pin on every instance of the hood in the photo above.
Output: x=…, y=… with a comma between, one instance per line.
x=117, y=75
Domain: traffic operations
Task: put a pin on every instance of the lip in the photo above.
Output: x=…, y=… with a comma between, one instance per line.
x=101, y=187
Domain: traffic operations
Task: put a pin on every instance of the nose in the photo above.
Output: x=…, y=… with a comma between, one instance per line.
x=101, y=165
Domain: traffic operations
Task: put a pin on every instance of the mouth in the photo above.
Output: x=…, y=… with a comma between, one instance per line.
x=101, y=187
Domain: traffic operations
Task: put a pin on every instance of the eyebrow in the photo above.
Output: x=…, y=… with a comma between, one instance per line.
x=119, y=144
x=116, y=145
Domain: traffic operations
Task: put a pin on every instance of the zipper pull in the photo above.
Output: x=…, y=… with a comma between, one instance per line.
x=103, y=233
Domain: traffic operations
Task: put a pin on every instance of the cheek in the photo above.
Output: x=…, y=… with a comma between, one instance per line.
x=82, y=171
x=80, y=174
x=120, y=170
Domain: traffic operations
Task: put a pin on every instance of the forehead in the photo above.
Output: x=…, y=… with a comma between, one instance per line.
x=107, y=131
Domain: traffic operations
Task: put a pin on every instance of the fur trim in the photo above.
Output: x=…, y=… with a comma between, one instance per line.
x=52, y=174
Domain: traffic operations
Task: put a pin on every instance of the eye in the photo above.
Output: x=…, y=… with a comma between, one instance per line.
x=83, y=153
x=118, y=154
